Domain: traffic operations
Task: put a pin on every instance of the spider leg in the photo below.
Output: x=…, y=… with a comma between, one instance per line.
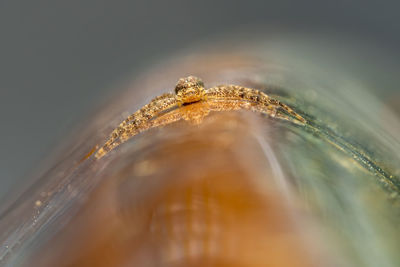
x=137, y=122
x=292, y=113
x=260, y=101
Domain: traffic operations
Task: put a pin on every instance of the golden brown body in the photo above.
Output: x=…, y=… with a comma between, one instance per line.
x=191, y=90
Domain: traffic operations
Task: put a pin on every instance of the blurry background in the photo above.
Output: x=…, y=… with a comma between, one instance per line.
x=58, y=58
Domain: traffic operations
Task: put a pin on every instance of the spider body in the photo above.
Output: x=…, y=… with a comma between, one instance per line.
x=168, y=108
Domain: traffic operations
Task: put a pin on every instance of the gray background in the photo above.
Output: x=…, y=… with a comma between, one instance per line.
x=57, y=58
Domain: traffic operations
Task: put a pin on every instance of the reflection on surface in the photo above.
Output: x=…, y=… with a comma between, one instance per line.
x=200, y=196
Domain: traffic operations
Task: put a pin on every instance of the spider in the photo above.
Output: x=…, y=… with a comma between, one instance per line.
x=191, y=101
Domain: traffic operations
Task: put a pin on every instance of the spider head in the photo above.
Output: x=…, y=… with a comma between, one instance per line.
x=189, y=90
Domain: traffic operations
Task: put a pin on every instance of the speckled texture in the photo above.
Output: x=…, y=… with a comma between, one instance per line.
x=188, y=91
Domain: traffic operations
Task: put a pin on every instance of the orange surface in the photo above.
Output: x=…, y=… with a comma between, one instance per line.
x=203, y=195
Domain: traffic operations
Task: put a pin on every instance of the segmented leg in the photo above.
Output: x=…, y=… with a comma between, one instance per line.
x=234, y=92
x=137, y=122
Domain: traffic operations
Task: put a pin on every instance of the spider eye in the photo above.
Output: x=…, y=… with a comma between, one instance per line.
x=188, y=82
